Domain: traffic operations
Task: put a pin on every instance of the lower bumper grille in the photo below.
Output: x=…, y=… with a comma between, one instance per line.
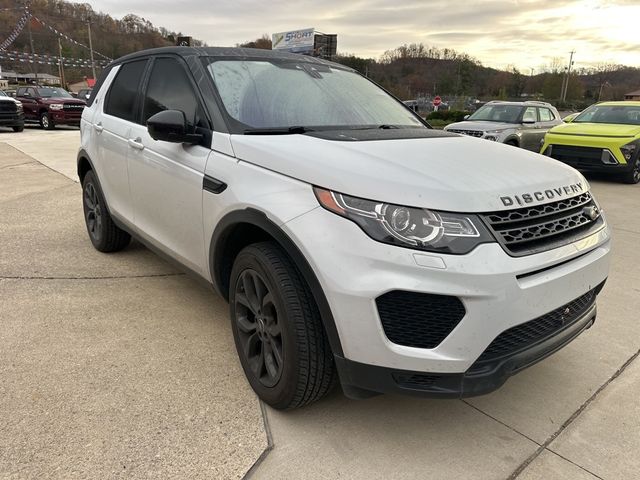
x=523, y=336
x=418, y=320
x=582, y=157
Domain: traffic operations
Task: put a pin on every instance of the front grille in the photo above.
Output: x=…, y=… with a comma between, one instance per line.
x=418, y=320
x=471, y=133
x=8, y=107
x=528, y=334
x=529, y=230
x=73, y=107
x=580, y=157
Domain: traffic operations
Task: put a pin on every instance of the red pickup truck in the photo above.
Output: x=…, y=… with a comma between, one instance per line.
x=50, y=106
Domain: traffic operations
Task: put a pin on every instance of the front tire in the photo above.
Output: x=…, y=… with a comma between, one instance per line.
x=104, y=234
x=46, y=122
x=18, y=129
x=277, y=329
x=633, y=176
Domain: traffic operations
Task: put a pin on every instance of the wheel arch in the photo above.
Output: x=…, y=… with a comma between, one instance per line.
x=241, y=228
x=84, y=164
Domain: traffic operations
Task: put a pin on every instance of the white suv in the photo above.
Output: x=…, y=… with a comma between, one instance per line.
x=521, y=124
x=352, y=241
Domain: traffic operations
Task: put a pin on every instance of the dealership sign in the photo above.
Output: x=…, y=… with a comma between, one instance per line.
x=295, y=41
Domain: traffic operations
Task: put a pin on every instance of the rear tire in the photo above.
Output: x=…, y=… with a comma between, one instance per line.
x=103, y=232
x=633, y=176
x=46, y=122
x=18, y=129
x=277, y=329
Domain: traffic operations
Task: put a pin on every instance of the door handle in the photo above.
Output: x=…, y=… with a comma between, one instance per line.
x=98, y=127
x=137, y=143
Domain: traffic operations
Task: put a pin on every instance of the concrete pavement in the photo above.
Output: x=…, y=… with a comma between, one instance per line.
x=93, y=366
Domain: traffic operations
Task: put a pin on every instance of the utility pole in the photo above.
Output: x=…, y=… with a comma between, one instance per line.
x=60, y=65
x=566, y=87
x=93, y=63
x=33, y=57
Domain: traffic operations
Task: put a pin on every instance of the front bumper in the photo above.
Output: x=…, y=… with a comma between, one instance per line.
x=497, y=291
x=12, y=120
x=61, y=117
x=480, y=379
x=589, y=154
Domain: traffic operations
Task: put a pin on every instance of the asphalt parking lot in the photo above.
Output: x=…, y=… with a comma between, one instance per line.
x=120, y=366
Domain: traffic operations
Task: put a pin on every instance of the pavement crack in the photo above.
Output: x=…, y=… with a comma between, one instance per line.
x=574, y=463
x=112, y=277
x=17, y=164
x=267, y=428
x=570, y=420
x=500, y=422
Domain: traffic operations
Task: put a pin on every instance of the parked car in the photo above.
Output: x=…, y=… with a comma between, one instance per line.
x=50, y=106
x=11, y=113
x=569, y=118
x=603, y=138
x=521, y=124
x=84, y=94
x=351, y=240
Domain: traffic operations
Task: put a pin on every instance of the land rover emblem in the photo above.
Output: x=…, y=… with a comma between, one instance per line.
x=590, y=212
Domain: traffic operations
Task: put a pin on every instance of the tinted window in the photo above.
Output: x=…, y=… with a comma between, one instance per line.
x=21, y=92
x=170, y=89
x=545, y=115
x=124, y=90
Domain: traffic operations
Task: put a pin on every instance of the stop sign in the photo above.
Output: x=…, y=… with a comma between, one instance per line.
x=437, y=101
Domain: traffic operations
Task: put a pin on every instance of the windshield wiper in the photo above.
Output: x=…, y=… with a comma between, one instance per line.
x=277, y=131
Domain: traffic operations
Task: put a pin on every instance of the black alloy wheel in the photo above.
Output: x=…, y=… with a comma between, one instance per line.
x=104, y=234
x=259, y=331
x=92, y=212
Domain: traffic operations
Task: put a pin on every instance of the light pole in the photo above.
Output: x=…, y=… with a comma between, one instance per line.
x=33, y=56
x=93, y=64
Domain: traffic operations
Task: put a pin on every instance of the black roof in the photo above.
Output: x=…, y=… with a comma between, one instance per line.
x=231, y=52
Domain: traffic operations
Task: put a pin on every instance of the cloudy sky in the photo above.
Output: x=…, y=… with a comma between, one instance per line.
x=524, y=33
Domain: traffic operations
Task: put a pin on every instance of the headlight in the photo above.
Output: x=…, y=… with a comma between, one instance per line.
x=56, y=106
x=19, y=106
x=410, y=227
x=628, y=150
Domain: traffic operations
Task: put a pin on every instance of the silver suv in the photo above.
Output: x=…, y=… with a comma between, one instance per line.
x=521, y=124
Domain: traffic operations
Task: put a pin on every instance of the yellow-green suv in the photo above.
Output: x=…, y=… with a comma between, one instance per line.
x=603, y=138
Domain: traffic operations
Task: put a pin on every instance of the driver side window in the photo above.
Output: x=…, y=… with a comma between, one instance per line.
x=170, y=89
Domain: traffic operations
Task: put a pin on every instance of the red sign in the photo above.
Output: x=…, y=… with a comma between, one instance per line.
x=437, y=101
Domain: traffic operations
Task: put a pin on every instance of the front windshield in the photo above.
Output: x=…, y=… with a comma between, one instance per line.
x=2, y=94
x=53, y=93
x=616, y=114
x=268, y=94
x=498, y=113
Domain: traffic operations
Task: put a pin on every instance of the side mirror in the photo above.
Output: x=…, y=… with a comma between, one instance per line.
x=171, y=126
x=26, y=94
x=466, y=117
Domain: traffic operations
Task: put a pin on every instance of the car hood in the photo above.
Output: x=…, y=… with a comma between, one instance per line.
x=454, y=173
x=73, y=101
x=597, y=130
x=480, y=125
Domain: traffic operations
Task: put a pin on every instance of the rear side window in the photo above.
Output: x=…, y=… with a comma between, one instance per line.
x=546, y=115
x=170, y=89
x=121, y=100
